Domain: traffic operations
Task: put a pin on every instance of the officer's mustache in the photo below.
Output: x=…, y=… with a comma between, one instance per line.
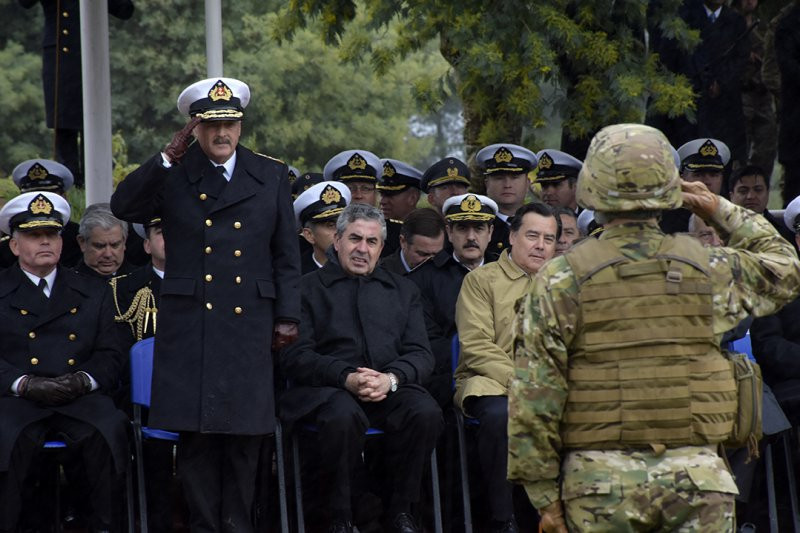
x=222, y=140
x=472, y=244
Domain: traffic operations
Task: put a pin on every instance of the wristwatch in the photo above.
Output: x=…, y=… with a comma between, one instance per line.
x=392, y=382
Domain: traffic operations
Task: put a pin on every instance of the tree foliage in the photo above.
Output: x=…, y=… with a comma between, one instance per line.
x=503, y=54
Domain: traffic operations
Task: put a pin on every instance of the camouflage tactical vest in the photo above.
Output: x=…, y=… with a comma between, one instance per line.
x=645, y=367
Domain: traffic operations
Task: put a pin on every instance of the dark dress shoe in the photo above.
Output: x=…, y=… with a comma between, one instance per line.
x=403, y=523
x=509, y=526
x=340, y=526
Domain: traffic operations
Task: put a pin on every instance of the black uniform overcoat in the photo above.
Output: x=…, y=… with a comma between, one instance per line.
x=72, y=330
x=61, y=58
x=373, y=321
x=232, y=267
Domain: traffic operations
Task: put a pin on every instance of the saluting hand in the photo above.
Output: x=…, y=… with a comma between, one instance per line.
x=177, y=147
x=698, y=199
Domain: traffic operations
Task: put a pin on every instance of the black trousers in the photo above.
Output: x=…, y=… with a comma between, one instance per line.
x=411, y=421
x=85, y=443
x=218, y=474
x=492, y=440
x=69, y=152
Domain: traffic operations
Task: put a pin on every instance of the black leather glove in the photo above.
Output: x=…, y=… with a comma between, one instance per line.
x=283, y=334
x=180, y=142
x=77, y=384
x=47, y=391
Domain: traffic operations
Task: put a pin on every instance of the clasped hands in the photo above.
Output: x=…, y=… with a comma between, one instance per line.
x=368, y=385
x=54, y=391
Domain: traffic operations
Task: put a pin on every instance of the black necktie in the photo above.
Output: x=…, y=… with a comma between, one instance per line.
x=221, y=171
x=42, y=286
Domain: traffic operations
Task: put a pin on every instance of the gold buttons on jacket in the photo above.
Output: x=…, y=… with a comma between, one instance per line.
x=208, y=249
x=203, y=196
x=65, y=31
x=72, y=336
x=32, y=334
x=209, y=306
x=237, y=225
x=237, y=310
x=23, y=312
x=209, y=277
x=65, y=49
x=208, y=222
x=238, y=280
x=71, y=362
x=34, y=361
x=65, y=14
x=73, y=310
x=237, y=253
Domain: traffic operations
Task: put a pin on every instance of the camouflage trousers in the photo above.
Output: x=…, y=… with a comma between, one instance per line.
x=687, y=489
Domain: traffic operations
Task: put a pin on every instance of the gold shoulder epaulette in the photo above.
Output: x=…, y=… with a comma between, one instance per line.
x=395, y=221
x=5, y=238
x=268, y=157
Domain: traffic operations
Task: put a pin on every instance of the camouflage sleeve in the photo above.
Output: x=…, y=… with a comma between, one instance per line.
x=544, y=327
x=756, y=274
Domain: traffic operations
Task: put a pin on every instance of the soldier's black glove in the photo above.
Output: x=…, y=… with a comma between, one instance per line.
x=77, y=384
x=284, y=333
x=46, y=391
x=180, y=142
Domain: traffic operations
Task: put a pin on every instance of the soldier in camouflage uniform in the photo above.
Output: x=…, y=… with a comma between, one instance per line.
x=621, y=395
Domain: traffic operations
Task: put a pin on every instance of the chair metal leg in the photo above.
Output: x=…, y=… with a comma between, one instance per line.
x=298, y=490
x=437, y=504
x=57, y=521
x=280, y=461
x=792, y=481
x=131, y=512
x=462, y=459
x=139, y=458
x=773, y=506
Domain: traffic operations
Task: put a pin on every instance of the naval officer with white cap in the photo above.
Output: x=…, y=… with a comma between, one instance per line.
x=229, y=297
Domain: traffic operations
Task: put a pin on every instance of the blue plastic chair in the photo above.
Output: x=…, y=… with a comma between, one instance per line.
x=141, y=356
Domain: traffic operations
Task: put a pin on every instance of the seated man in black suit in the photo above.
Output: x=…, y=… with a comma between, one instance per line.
x=360, y=362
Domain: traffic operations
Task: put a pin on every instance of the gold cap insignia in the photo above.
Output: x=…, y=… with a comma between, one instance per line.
x=220, y=91
x=452, y=172
x=37, y=172
x=330, y=195
x=708, y=149
x=545, y=162
x=40, y=205
x=388, y=170
x=503, y=155
x=471, y=204
x=357, y=163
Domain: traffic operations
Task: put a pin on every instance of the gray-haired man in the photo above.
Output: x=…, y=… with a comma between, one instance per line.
x=360, y=361
x=101, y=237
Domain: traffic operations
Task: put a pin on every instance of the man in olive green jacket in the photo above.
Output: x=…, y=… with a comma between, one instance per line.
x=484, y=316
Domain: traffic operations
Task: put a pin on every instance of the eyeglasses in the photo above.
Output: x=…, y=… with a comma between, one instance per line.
x=360, y=187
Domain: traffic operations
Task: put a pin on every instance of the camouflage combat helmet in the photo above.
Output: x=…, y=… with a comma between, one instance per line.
x=629, y=167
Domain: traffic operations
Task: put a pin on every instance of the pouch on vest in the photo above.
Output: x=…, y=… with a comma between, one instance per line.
x=747, y=429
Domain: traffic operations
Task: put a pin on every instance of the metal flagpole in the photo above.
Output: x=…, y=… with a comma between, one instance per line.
x=96, y=76
x=214, y=38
